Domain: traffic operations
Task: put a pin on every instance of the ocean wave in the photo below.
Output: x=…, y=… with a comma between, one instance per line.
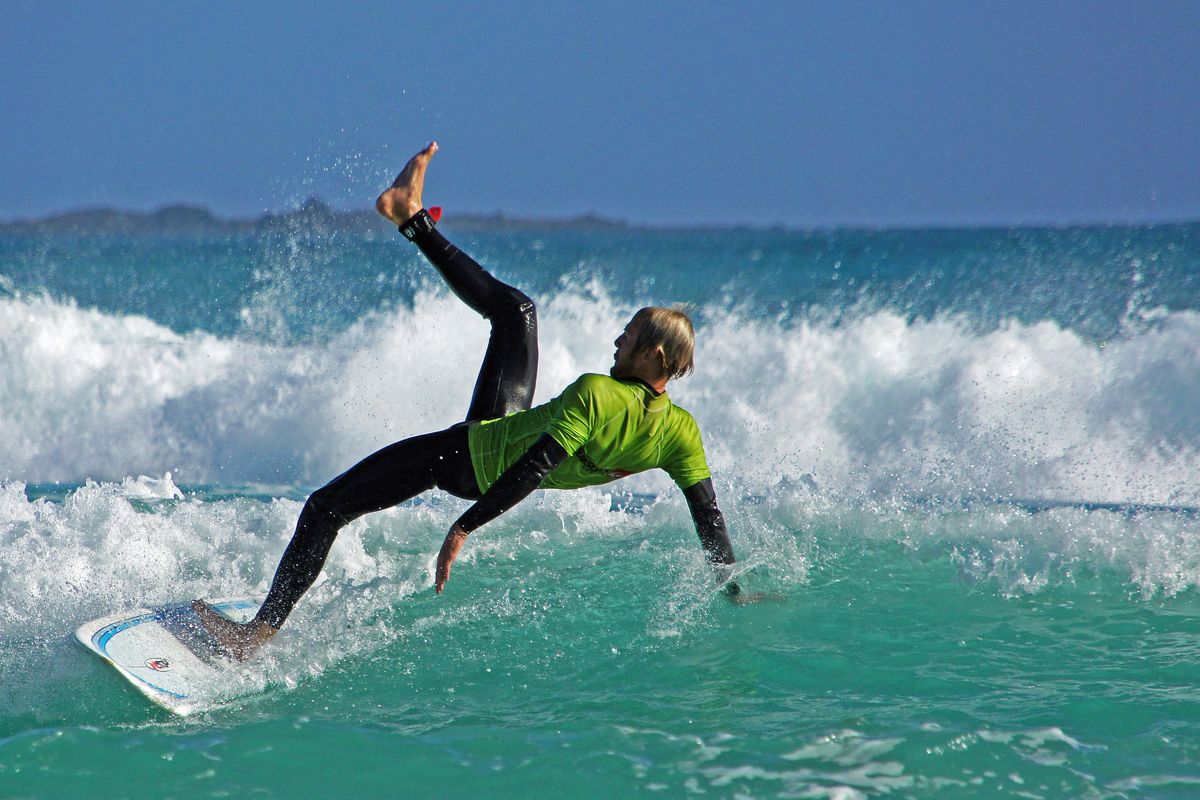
x=871, y=406
x=145, y=542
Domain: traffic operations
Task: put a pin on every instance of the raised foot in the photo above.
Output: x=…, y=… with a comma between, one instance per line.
x=402, y=199
x=238, y=640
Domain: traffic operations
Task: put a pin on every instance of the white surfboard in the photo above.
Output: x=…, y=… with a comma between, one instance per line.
x=166, y=653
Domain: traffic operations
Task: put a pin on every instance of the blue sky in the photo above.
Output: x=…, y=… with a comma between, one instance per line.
x=764, y=112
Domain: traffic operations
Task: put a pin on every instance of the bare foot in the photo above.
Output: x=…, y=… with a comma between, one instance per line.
x=403, y=199
x=239, y=640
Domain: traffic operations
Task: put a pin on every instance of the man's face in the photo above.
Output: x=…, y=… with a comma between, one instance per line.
x=623, y=360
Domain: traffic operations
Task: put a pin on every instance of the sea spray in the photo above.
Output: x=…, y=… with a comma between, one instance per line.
x=868, y=407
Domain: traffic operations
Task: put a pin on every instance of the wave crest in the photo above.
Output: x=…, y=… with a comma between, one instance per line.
x=873, y=405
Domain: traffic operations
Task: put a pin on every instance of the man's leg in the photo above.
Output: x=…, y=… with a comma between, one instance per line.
x=506, y=379
x=505, y=384
x=381, y=480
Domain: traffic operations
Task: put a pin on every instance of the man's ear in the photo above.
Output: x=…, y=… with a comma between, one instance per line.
x=662, y=360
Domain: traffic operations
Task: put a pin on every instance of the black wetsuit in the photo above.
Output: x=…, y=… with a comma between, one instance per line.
x=443, y=460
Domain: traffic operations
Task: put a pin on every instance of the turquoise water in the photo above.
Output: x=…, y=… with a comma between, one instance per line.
x=968, y=484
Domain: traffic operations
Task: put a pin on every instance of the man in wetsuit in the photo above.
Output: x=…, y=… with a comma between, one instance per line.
x=599, y=429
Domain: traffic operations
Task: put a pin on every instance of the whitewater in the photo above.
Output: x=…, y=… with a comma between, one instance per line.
x=964, y=464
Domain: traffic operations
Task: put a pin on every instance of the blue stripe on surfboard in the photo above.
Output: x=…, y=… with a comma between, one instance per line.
x=100, y=638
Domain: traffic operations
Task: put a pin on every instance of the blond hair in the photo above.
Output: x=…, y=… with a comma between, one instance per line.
x=668, y=331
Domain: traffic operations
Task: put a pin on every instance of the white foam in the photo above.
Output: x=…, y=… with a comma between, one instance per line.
x=879, y=405
x=873, y=406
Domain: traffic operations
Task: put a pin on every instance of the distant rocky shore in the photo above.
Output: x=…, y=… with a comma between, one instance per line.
x=314, y=216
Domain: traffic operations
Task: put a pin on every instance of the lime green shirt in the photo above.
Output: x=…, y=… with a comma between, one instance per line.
x=609, y=428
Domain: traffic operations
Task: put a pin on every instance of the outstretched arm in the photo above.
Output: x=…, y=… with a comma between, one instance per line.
x=710, y=525
x=513, y=486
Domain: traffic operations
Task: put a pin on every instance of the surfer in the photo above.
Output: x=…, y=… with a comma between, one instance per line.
x=601, y=428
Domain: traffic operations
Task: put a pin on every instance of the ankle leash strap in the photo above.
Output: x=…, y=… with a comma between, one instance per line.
x=419, y=223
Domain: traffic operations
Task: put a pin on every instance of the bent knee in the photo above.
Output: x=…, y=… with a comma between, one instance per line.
x=323, y=505
x=525, y=308
x=516, y=310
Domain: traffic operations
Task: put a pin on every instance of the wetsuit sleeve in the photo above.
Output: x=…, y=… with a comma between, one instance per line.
x=515, y=483
x=710, y=525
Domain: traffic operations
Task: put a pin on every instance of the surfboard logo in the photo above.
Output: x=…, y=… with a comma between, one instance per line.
x=158, y=664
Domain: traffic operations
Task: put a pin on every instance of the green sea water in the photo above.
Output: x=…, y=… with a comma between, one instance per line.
x=597, y=661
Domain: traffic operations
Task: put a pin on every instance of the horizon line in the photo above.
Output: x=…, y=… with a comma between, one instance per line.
x=897, y=223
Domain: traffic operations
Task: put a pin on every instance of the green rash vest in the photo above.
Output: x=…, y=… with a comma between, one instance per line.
x=609, y=428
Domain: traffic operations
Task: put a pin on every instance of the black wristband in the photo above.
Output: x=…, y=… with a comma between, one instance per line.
x=417, y=224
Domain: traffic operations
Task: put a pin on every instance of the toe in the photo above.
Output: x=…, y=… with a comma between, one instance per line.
x=422, y=158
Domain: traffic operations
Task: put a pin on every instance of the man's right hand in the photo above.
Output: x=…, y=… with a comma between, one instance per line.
x=450, y=550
